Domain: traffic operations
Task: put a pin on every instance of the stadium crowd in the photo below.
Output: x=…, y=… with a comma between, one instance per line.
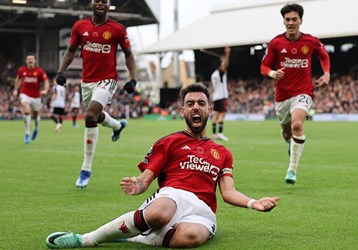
x=256, y=96
x=247, y=96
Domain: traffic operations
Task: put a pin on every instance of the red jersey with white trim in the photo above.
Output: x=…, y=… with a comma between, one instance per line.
x=182, y=161
x=99, y=47
x=296, y=58
x=31, y=80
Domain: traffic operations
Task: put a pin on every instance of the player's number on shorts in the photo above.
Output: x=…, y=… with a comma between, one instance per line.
x=109, y=84
x=305, y=99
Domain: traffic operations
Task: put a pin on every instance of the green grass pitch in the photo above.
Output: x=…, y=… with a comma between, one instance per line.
x=38, y=194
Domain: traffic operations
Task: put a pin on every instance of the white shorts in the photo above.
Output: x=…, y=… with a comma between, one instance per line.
x=189, y=208
x=35, y=103
x=285, y=108
x=101, y=91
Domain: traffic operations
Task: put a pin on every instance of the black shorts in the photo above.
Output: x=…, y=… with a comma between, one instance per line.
x=59, y=111
x=220, y=105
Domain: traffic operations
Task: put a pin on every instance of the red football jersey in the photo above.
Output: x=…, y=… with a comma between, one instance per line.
x=99, y=47
x=181, y=161
x=296, y=58
x=31, y=80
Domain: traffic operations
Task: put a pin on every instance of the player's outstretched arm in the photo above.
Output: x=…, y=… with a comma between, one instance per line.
x=137, y=185
x=236, y=198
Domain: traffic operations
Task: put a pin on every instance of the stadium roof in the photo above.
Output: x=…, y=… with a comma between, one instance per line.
x=255, y=22
x=55, y=14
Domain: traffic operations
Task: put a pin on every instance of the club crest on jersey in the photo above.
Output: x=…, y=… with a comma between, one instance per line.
x=215, y=154
x=107, y=35
x=305, y=50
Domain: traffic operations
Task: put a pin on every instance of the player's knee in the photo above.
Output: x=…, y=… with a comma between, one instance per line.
x=297, y=127
x=91, y=116
x=160, y=212
x=188, y=239
x=157, y=218
x=101, y=117
x=193, y=239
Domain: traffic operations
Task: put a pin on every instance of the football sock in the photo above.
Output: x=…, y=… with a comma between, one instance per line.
x=159, y=237
x=27, y=120
x=286, y=140
x=90, y=142
x=110, y=122
x=297, y=144
x=221, y=127
x=125, y=226
x=214, y=128
x=168, y=236
x=54, y=118
x=37, y=122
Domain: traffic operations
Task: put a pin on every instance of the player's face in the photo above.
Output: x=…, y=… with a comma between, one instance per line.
x=100, y=7
x=292, y=22
x=30, y=61
x=196, y=111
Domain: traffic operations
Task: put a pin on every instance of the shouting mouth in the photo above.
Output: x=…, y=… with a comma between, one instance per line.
x=196, y=119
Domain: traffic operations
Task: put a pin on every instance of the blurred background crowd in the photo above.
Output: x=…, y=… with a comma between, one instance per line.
x=247, y=96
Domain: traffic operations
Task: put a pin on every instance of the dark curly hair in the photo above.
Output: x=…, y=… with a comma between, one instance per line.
x=292, y=7
x=195, y=87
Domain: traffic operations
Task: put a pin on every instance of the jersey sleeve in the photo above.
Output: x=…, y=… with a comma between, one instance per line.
x=322, y=54
x=123, y=38
x=75, y=38
x=20, y=71
x=155, y=158
x=43, y=74
x=227, y=165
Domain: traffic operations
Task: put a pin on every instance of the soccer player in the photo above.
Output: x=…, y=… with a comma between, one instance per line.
x=75, y=105
x=58, y=103
x=220, y=96
x=288, y=60
x=98, y=36
x=188, y=167
x=30, y=78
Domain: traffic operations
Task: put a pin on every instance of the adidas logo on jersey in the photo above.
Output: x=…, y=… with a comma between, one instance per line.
x=186, y=147
x=85, y=34
x=283, y=51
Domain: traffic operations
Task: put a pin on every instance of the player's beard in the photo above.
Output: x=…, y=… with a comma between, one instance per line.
x=196, y=129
